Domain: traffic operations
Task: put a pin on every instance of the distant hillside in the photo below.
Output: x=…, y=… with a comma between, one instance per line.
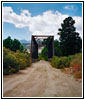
x=26, y=45
x=25, y=41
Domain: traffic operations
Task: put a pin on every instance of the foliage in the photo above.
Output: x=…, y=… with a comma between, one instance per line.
x=63, y=62
x=71, y=64
x=60, y=62
x=76, y=62
x=47, y=42
x=46, y=58
x=78, y=75
x=44, y=54
x=57, y=48
x=55, y=61
x=13, y=61
x=13, y=44
x=77, y=67
x=70, y=57
x=40, y=58
x=70, y=40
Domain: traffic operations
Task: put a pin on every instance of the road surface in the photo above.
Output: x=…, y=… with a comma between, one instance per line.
x=41, y=80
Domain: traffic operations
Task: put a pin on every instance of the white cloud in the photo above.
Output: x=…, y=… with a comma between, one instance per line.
x=47, y=23
x=69, y=7
x=78, y=24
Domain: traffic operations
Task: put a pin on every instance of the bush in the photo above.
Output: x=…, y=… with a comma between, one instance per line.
x=77, y=58
x=76, y=62
x=55, y=61
x=60, y=62
x=64, y=62
x=70, y=58
x=40, y=58
x=78, y=75
x=23, y=59
x=13, y=61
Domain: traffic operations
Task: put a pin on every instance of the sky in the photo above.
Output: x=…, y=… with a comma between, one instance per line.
x=21, y=20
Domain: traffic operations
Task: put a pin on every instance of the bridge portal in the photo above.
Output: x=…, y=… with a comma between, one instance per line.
x=34, y=46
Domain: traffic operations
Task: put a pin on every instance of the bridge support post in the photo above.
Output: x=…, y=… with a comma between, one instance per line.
x=51, y=47
x=34, y=48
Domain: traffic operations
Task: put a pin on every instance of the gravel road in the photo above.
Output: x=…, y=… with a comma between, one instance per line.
x=41, y=80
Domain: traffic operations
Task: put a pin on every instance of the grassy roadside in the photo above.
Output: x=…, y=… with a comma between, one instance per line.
x=14, y=61
x=70, y=65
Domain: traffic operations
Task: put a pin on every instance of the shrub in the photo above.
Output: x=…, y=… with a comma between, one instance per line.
x=46, y=58
x=22, y=63
x=8, y=70
x=23, y=59
x=40, y=58
x=55, y=61
x=70, y=58
x=77, y=67
x=63, y=62
x=78, y=75
x=60, y=62
x=13, y=61
x=76, y=62
x=5, y=53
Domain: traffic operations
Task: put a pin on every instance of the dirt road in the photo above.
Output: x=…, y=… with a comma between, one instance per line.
x=41, y=80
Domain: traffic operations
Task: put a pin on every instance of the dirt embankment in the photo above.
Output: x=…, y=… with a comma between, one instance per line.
x=41, y=80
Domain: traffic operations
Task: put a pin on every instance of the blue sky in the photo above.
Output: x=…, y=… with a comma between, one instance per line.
x=35, y=9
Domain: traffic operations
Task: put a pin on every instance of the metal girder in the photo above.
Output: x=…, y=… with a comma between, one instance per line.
x=34, y=46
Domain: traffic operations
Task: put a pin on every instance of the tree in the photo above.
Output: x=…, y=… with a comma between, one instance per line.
x=70, y=40
x=17, y=45
x=12, y=44
x=8, y=43
x=57, y=48
x=44, y=52
x=46, y=42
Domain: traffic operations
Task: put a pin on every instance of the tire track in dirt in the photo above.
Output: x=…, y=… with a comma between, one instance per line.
x=16, y=79
x=41, y=80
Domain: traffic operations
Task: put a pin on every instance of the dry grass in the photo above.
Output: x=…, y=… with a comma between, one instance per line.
x=78, y=75
x=65, y=70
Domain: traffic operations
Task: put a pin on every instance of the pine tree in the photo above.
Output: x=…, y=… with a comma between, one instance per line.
x=70, y=40
x=13, y=45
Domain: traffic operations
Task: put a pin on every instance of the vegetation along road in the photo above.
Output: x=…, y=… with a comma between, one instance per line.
x=41, y=80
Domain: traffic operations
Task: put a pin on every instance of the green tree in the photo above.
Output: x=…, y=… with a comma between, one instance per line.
x=46, y=42
x=70, y=40
x=57, y=48
x=44, y=52
x=8, y=43
x=13, y=44
x=17, y=45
